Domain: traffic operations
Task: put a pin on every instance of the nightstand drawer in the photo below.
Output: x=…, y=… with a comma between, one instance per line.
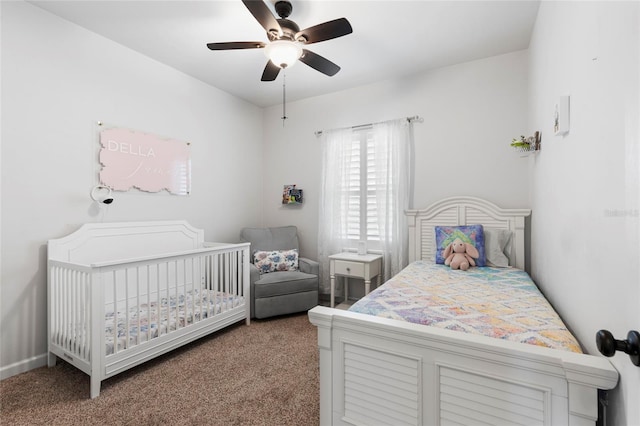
x=353, y=269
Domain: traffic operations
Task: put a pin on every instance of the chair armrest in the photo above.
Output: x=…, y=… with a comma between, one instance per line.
x=254, y=274
x=308, y=266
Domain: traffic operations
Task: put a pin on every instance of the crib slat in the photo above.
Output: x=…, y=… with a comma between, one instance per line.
x=115, y=313
x=177, y=304
x=138, y=306
x=168, y=318
x=72, y=297
x=186, y=308
x=215, y=259
x=185, y=292
x=203, y=285
x=234, y=271
x=236, y=278
x=159, y=301
x=229, y=278
x=76, y=313
x=55, y=304
x=126, y=310
x=63, y=303
x=63, y=311
x=89, y=317
x=173, y=305
x=79, y=325
x=67, y=313
x=220, y=282
x=226, y=281
x=148, y=305
x=193, y=290
x=216, y=285
x=69, y=343
x=85, y=317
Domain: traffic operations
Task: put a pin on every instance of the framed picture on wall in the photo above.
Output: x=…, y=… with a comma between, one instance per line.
x=291, y=195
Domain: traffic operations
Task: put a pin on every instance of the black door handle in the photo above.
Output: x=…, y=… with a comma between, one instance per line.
x=608, y=345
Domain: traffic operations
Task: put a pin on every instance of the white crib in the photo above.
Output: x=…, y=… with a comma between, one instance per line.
x=120, y=294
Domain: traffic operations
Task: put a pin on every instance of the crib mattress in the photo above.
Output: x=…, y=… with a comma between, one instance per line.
x=503, y=303
x=174, y=312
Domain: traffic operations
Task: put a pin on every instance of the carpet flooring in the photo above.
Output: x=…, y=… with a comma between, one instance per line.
x=262, y=374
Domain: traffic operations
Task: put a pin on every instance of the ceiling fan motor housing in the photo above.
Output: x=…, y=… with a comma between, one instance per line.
x=283, y=8
x=289, y=29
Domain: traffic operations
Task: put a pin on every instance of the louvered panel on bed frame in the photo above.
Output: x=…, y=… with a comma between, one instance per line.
x=471, y=398
x=457, y=211
x=381, y=387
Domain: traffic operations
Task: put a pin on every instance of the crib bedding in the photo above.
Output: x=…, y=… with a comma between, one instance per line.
x=174, y=312
x=503, y=303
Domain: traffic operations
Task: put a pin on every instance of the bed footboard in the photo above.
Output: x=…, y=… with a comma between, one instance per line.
x=380, y=371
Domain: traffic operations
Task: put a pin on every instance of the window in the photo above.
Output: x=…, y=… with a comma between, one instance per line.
x=367, y=169
x=365, y=187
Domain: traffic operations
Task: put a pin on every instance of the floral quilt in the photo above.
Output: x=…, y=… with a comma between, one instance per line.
x=503, y=303
x=174, y=312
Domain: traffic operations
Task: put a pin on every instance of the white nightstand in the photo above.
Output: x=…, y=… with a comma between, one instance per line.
x=365, y=266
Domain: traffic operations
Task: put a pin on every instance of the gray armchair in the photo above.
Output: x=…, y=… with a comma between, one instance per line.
x=281, y=292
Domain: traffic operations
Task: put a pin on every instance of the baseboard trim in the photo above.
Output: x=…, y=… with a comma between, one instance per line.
x=23, y=366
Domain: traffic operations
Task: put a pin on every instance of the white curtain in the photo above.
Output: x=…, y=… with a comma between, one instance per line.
x=393, y=143
x=333, y=199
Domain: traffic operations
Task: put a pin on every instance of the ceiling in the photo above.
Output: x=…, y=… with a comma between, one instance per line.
x=390, y=39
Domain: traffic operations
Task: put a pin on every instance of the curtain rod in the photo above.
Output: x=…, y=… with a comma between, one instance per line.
x=411, y=119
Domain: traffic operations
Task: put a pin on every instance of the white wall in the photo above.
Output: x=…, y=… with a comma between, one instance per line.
x=57, y=81
x=471, y=112
x=585, y=185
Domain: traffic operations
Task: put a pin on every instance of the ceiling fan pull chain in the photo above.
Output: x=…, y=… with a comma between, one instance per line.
x=284, y=96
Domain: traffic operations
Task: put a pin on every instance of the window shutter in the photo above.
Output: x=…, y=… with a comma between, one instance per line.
x=362, y=187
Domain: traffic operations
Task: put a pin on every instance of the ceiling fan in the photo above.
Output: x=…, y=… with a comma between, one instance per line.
x=286, y=39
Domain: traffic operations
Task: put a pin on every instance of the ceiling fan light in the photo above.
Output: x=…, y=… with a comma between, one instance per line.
x=283, y=53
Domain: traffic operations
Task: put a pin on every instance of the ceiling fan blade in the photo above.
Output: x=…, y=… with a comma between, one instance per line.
x=236, y=45
x=326, y=31
x=319, y=63
x=270, y=72
x=263, y=15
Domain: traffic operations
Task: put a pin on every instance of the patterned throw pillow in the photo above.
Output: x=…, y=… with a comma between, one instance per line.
x=276, y=260
x=472, y=234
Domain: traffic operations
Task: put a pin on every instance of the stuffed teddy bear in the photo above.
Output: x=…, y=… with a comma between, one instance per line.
x=460, y=255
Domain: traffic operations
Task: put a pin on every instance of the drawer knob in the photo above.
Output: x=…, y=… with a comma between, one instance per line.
x=348, y=269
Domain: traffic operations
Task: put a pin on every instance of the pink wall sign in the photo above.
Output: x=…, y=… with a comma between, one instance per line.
x=144, y=161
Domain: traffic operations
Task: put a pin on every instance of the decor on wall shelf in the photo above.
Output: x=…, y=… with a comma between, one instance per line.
x=291, y=195
x=561, y=117
x=527, y=145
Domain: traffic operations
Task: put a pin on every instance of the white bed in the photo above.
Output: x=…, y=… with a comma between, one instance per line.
x=376, y=371
x=120, y=294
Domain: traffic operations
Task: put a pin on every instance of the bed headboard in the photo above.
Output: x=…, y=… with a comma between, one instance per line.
x=456, y=211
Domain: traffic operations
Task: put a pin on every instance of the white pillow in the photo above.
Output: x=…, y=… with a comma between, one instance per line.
x=495, y=242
